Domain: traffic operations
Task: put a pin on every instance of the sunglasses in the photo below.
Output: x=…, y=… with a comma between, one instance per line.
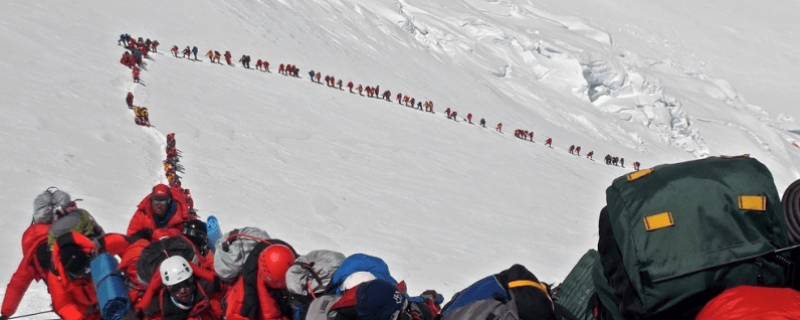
x=160, y=202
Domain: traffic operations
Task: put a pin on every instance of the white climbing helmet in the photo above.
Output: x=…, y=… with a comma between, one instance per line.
x=175, y=270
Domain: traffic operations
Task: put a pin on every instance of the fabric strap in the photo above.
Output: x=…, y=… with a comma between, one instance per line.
x=527, y=283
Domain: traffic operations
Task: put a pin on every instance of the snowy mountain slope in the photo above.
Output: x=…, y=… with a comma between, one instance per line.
x=443, y=203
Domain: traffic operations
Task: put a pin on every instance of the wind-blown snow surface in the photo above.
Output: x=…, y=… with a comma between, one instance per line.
x=443, y=203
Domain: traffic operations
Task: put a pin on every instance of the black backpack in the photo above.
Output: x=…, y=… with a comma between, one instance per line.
x=513, y=294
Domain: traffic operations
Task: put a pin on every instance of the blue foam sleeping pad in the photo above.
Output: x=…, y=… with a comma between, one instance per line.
x=213, y=231
x=112, y=298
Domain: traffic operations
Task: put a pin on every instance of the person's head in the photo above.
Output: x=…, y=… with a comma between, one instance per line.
x=196, y=231
x=176, y=275
x=75, y=262
x=160, y=200
x=380, y=300
x=273, y=263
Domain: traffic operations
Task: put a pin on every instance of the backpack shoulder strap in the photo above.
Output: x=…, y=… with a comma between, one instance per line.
x=563, y=313
x=527, y=283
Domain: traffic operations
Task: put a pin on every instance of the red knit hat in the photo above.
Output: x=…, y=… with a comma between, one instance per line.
x=160, y=192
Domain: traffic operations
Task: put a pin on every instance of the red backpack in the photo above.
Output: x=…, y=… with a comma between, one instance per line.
x=751, y=303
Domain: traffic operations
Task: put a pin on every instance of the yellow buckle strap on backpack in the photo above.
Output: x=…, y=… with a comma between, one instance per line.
x=528, y=283
x=658, y=221
x=753, y=202
x=639, y=174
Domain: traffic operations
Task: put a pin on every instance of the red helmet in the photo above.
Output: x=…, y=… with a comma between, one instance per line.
x=273, y=264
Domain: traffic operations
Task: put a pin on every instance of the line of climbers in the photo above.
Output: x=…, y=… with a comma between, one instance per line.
x=136, y=51
x=171, y=164
x=372, y=92
x=172, y=167
x=174, y=268
x=609, y=160
x=330, y=80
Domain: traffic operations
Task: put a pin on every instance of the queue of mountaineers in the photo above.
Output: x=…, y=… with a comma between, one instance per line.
x=705, y=239
x=173, y=265
x=137, y=49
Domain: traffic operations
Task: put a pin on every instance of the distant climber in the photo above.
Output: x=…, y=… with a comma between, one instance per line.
x=129, y=100
x=135, y=74
x=245, y=60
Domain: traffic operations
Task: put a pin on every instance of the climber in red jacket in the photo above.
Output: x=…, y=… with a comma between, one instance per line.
x=163, y=209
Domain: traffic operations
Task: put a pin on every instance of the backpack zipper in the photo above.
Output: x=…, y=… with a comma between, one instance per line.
x=760, y=275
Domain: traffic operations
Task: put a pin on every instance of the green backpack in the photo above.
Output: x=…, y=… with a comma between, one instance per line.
x=578, y=289
x=675, y=236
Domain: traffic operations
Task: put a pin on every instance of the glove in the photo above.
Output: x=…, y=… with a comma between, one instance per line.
x=141, y=234
x=434, y=296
